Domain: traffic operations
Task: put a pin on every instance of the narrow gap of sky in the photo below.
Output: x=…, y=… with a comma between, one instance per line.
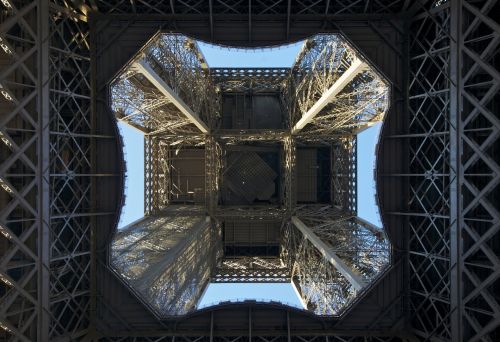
x=262, y=292
x=222, y=57
x=133, y=149
x=367, y=205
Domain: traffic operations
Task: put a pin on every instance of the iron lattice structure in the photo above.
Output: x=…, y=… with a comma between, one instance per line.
x=53, y=216
x=335, y=92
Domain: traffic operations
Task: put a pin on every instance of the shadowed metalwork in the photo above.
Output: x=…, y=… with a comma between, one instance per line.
x=60, y=168
x=237, y=176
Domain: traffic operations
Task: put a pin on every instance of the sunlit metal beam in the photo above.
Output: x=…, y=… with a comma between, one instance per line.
x=356, y=67
x=144, y=68
x=356, y=281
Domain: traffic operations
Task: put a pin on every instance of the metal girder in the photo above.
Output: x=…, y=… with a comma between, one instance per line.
x=455, y=171
x=249, y=79
x=46, y=210
x=166, y=89
x=321, y=287
x=144, y=68
x=251, y=270
x=332, y=90
x=167, y=260
x=470, y=228
x=213, y=11
x=356, y=281
x=356, y=67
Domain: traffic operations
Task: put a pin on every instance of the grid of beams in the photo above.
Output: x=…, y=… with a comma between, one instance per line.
x=166, y=89
x=332, y=90
x=442, y=269
x=251, y=270
x=322, y=52
x=47, y=172
x=454, y=130
x=175, y=261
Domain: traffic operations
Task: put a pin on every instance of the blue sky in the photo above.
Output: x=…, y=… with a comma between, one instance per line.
x=133, y=149
x=266, y=292
x=134, y=186
x=367, y=207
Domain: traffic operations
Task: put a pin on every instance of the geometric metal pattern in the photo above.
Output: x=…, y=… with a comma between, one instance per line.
x=454, y=132
x=48, y=137
x=176, y=61
x=355, y=100
x=359, y=250
x=167, y=260
x=327, y=64
x=47, y=173
x=251, y=269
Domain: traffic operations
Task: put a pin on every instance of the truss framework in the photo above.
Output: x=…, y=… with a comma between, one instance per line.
x=454, y=128
x=452, y=114
x=328, y=52
x=167, y=89
x=251, y=270
x=168, y=267
x=332, y=90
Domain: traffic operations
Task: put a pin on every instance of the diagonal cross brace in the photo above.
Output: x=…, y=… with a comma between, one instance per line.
x=356, y=281
x=356, y=67
x=144, y=68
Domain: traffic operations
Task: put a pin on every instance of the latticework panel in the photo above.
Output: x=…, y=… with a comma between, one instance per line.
x=266, y=7
x=245, y=79
x=47, y=173
x=249, y=338
x=364, y=249
x=251, y=270
x=167, y=260
x=289, y=160
x=332, y=86
x=322, y=288
x=343, y=180
x=454, y=128
x=177, y=63
x=475, y=170
x=429, y=150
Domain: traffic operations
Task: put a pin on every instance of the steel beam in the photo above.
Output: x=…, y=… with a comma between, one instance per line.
x=356, y=67
x=456, y=172
x=144, y=68
x=356, y=281
x=43, y=176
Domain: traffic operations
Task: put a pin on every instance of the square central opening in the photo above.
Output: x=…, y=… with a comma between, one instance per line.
x=252, y=174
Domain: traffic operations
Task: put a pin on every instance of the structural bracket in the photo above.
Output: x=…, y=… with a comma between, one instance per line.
x=356, y=67
x=144, y=68
x=356, y=281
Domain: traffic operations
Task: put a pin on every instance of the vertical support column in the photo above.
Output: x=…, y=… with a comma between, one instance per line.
x=93, y=194
x=404, y=69
x=154, y=170
x=43, y=181
x=456, y=171
x=352, y=177
x=289, y=193
x=343, y=174
x=148, y=175
x=162, y=188
x=212, y=169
